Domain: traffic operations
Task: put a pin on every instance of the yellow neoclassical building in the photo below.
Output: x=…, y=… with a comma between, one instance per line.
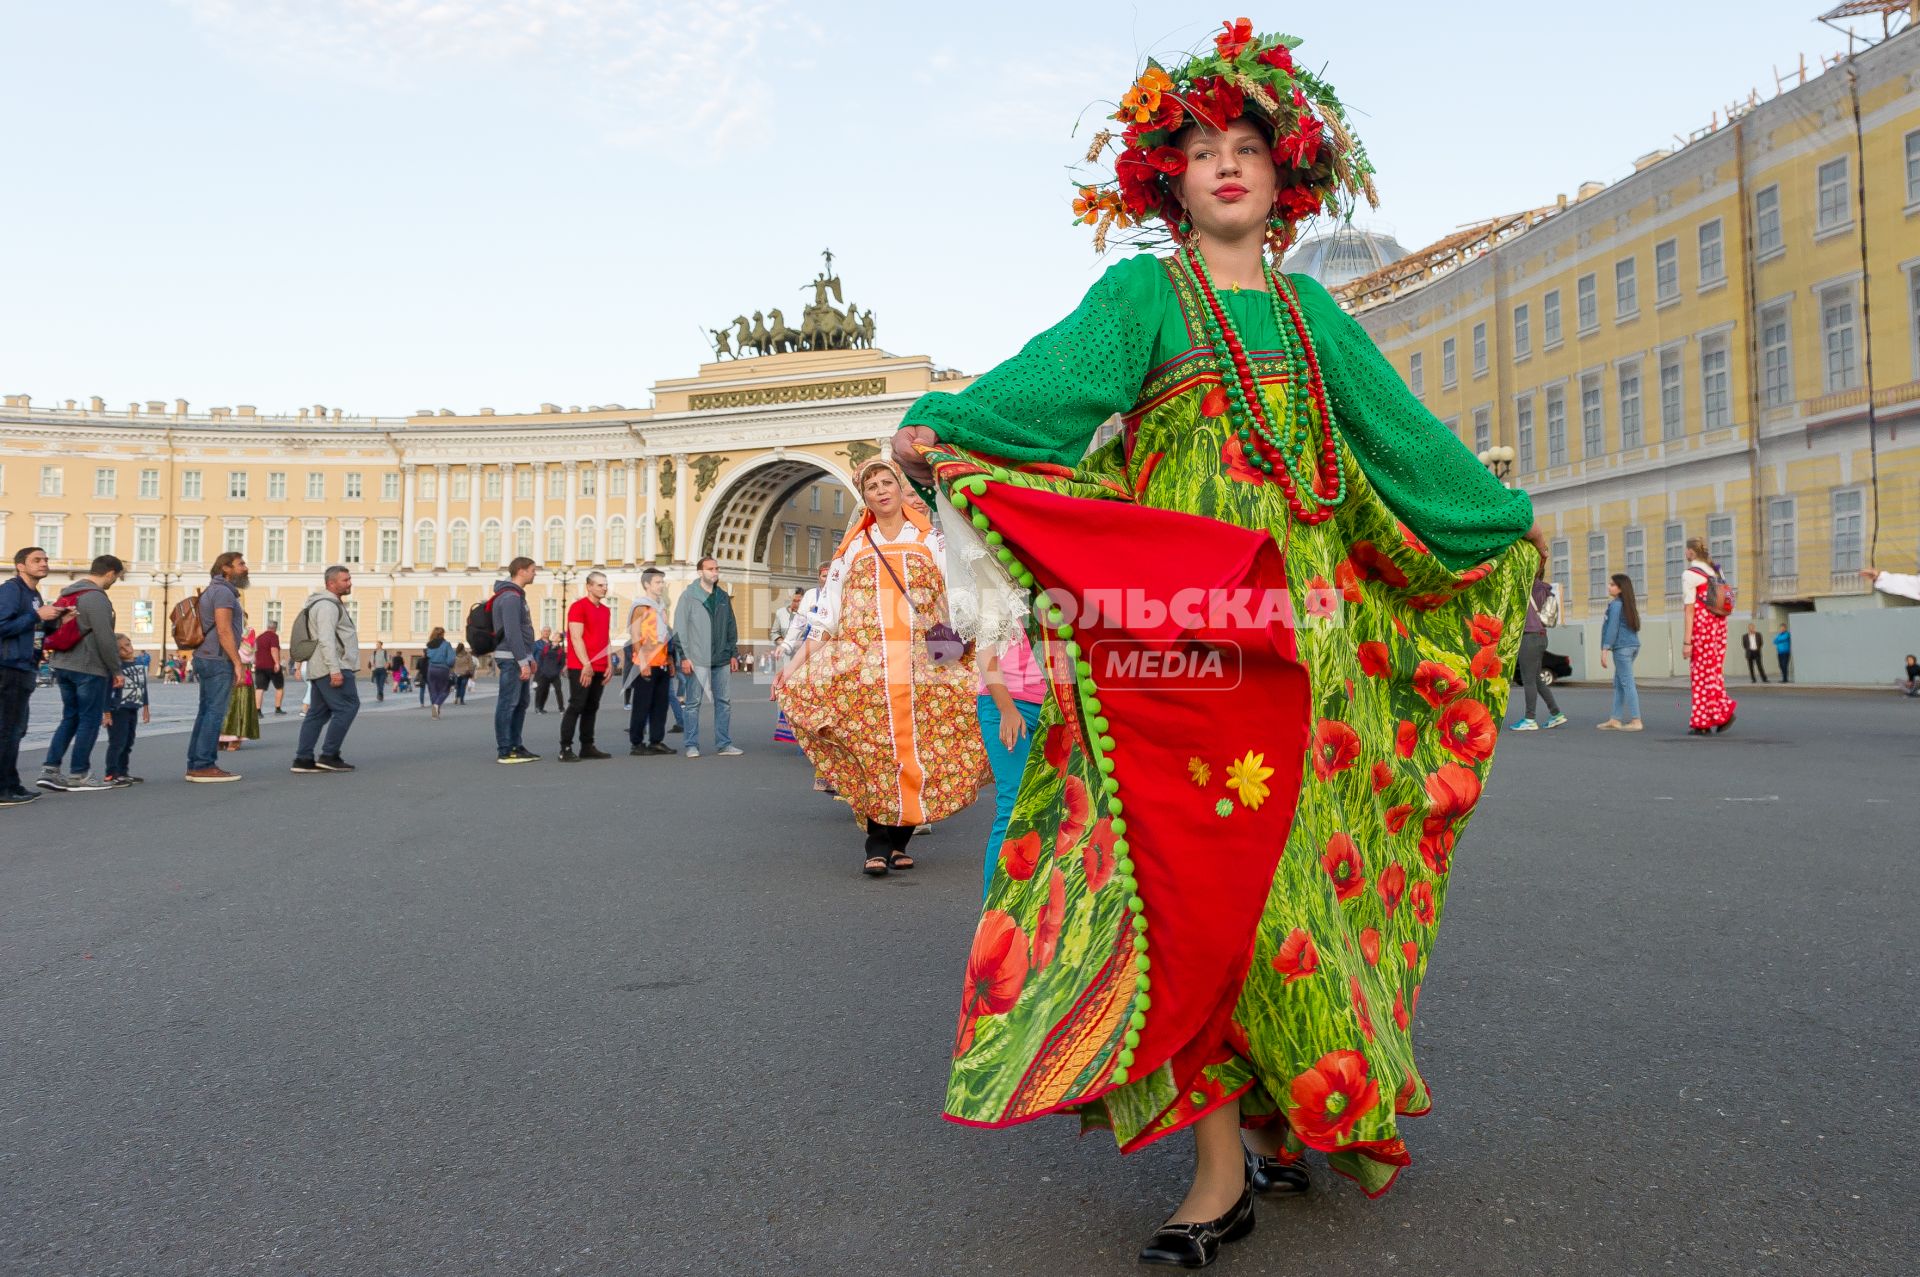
x=750, y=461
x=1724, y=344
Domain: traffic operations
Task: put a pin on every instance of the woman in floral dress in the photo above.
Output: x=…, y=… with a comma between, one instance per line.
x=1285, y=599
x=893, y=732
x=1710, y=709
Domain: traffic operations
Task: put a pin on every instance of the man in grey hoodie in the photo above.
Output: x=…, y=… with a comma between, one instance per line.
x=513, y=657
x=84, y=673
x=332, y=668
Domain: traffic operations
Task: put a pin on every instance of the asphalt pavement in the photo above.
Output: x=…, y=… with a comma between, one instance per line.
x=644, y=1016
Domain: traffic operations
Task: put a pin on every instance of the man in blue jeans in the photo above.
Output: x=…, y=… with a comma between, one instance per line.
x=85, y=673
x=709, y=639
x=216, y=665
x=25, y=618
x=513, y=657
x=332, y=666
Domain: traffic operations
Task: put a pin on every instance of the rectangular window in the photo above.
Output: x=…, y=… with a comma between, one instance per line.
x=1913, y=168
x=390, y=546
x=1550, y=318
x=1720, y=543
x=385, y=625
x=1597, y=565
x=840, y=494
x=1633, y=546
x=813, y=498
x=1835, y=207
x=589, y=481
x=789, y=544
x=316, y=486
x=813, y=549
x=1593, y=420
x=1776, y=357
x=617, y=481
x=1673, y=422
x=1416, y=374
x=1479, y=348
x=275, y=613
x=1913, y=315
x=452, y=616
x=190, y=546
x=190, y=485
x=1713, y=264
x=523, y=484
x=1556, y=427
x=420, y=615
x=390, y=487
x=100, y=539
x=276, y=485
x=236, y=485
x=146, y=544
x=1716, y=405
x=1848, y=507
x=1587, y=303
x=550, y=613
x=52, y=481
x=1523, y=432
x=351, y=489
x=1522, y=332
x=350, y=546
x=1560, y=567
x=1766, y=222
x=1783, y=538
x=47, y=533
x=1626, y=290
x=276, y=546
x=1837, y=338
x=1449, y=365
x=105, y=481
x=457, y=489
x=1482, y=429
x=556, y=484
x=1666, y=272
x=150, y=484
x=313, y=546
x=1674, y=552
x=1630, y=405
x=233, y=539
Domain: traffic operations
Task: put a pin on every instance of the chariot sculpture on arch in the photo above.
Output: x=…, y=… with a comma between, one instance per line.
x=823, y=325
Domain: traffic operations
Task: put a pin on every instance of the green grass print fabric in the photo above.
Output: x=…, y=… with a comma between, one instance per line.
x=1407, y=659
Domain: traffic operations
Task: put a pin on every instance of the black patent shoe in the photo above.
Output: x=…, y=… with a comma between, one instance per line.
x=1197, y=1245
x=1278, y=1178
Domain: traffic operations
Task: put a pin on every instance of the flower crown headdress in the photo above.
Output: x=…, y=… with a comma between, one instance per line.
x=1320, y=164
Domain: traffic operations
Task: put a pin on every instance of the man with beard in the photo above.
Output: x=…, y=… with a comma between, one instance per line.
x=216, y=664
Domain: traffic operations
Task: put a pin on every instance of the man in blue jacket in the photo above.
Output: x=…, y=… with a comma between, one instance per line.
x=25, y=618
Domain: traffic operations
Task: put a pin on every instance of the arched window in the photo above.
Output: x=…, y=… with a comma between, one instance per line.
x=587, y=542
x=523, y=539
x=556, y=541
x=490, y=543
x=423, y=547
x=616, y=540
x=457, y=542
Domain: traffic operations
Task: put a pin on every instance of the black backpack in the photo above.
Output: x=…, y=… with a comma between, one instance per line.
x=483, y=636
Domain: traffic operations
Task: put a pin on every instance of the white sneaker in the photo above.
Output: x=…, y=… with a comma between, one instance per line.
x=692, y=752
x=88, y=783
x=729, y=751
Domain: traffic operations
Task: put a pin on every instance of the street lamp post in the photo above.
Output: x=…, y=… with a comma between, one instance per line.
x=1499, y=460
x=565, y=577
x=167, y=581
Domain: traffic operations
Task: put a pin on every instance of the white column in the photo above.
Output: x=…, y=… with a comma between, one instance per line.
x=441, y=484
x=572, y=469
x=473, y=514
x=680, y=481
x=600, y=510
x=540, y=512
x=406, y=516
x=506, y=514
x=650, y=547
x=633, y=510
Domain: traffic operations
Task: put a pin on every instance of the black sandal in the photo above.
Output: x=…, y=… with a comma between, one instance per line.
x=876, y=867
x=1278, y=1178
x=899, y=860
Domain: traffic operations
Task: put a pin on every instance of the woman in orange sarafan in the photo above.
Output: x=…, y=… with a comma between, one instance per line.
x=1214, y=901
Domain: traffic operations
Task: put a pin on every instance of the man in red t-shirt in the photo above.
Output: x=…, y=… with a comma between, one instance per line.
x=588, y=646
x=266, y=669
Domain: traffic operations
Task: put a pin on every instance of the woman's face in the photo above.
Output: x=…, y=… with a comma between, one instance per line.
x=882, y=492
x=1229, y=184
x=1613, y=590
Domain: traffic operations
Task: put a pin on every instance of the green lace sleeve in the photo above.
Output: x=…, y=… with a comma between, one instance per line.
x=1045, y=403
x=1424, y=473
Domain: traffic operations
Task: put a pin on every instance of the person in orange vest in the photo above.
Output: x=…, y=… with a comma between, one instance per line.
x=652, y=671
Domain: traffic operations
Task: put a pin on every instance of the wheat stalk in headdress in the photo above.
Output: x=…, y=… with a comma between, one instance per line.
x=1100, y=141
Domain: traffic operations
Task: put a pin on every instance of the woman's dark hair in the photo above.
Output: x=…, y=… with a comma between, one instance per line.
x=1629, y=610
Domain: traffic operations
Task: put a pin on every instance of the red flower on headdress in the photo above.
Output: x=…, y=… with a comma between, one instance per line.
x=1167, y=160
x=1215, y=102
x=1140, y=103
x=1234, y=37
x=1335, y=747
x=1301, y=147
x=1279, y=57
x=1343, y=864
x=1297, y=958
x=1330, y=1098
x=1297, y=203
x=1468, y=731
x=1046, y=928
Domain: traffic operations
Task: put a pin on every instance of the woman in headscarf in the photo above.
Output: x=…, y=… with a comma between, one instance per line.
x=243, y=712
x=887, y=720
x=1279, y=610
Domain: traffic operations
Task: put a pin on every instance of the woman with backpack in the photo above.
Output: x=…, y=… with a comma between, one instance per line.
x=462, y=672
x=438, y=663
x=1706, y=600
x=1620, y=636
x=1542, y=606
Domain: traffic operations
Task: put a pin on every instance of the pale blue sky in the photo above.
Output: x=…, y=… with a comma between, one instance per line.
x=386, y=205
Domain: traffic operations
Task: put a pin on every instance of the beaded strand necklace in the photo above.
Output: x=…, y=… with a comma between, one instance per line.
x=1290, y=446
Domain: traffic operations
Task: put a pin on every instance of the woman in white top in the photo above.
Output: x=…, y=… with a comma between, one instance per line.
x=1705, y=643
